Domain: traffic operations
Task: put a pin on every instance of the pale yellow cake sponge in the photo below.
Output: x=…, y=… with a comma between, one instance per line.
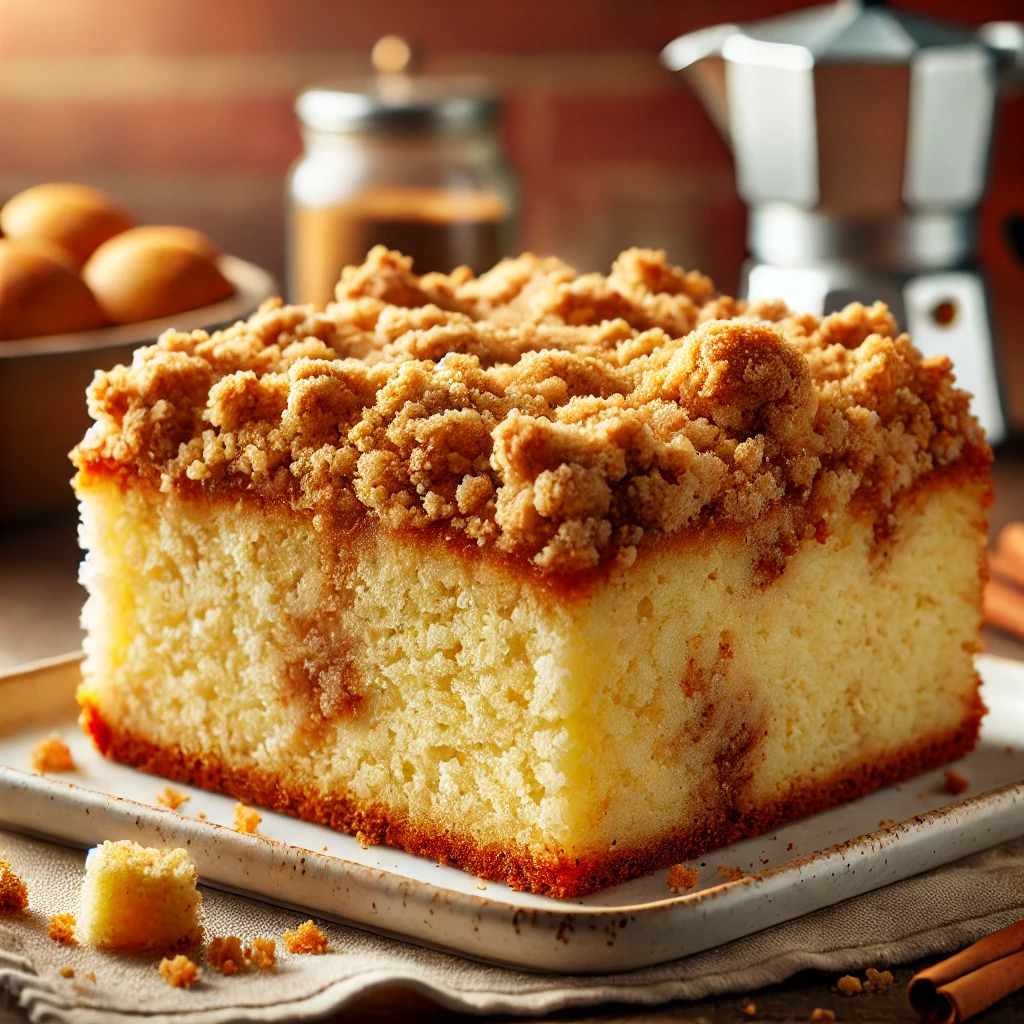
x=140, y=898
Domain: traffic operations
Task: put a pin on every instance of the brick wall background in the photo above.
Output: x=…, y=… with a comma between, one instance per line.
x=183, y=108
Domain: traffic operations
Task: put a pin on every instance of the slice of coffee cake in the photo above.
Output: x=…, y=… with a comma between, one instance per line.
x=558, y=578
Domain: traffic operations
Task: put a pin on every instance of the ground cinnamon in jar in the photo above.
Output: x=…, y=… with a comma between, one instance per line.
x=440, y=230
x=413, y=162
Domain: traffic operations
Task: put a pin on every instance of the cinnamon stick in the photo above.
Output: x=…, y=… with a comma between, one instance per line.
x=972, y=980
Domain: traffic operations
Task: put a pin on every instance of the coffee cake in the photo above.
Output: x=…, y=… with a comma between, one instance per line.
x=560, y=578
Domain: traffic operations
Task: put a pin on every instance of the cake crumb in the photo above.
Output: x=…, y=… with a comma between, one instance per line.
x=224, y=954
x=246, y=819
x=849, y=985
x=179, y=972
x=818, y=1013
x=202, y=815
x=13, y=891
x=307, y=938
x=733, y=874
x=172, y=798
x=750, y=1009
x=481, y=885
x=52, y=755
x=62, y=929
x=80, y=987
x=134, y=897
x=262, y=953
x=788, y=848
x=878, y=981
x=67, y=972
x=954, y=783
x=922, y=795
x=363, y=840
x=681, y=877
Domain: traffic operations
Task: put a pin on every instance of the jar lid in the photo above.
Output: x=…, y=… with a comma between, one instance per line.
x=400, y=104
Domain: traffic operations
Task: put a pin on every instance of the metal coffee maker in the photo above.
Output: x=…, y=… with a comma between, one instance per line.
x=861, y=136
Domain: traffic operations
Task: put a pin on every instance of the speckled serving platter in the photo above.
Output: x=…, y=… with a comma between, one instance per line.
x=884, y=837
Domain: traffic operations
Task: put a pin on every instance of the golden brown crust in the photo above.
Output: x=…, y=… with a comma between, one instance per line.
x=554, y=874
x=560, y=418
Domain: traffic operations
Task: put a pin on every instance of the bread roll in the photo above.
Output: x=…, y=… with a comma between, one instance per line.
x=44, y=248
x=151, y=279
x=41, y=294
x=75, y=217
x=180, y=237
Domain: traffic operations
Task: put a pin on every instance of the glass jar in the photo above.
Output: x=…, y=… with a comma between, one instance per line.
x=411, y=163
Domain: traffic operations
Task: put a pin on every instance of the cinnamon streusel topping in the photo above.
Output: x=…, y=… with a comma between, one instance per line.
x=561, y=417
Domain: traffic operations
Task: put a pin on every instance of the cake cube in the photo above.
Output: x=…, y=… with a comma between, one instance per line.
x=134, y=897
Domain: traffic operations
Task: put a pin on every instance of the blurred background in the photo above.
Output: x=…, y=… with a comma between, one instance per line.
x=183, y=110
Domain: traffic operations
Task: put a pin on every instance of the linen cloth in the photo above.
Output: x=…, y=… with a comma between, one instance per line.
x=933, y=913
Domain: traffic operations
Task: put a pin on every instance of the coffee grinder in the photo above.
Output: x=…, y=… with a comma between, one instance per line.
x=861, y=136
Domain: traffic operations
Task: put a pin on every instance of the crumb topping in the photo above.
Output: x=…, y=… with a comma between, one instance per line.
x=52, y=755
x=307, y=938
x=681, y=877
x=179, y=972
x=13, y=891
x=564, y=418
x=821, y=1014
x=62, y=929
x=246, y=819
x=750, y=1010
x=171, y=797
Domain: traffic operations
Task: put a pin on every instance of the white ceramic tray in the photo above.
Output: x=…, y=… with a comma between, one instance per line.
x=797, y=869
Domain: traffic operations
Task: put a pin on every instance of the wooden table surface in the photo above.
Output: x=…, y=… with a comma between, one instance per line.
x=39, y=604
